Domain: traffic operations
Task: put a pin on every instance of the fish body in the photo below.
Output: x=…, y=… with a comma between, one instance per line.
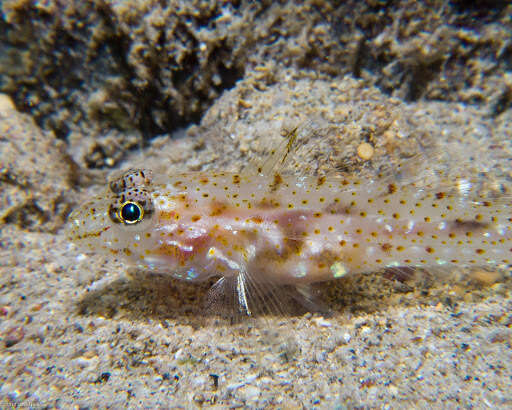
x=290, y=230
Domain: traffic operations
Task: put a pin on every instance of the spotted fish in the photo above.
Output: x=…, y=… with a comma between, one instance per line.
x=252, y=229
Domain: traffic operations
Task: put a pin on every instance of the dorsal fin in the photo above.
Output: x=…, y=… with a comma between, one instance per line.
x=309, y=150
x=284, y=157
x=304, y=149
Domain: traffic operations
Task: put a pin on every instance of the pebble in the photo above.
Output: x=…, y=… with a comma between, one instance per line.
x=4, y=310
x=6, y=104
x=486, y=278
x=14, y=335
x=249, y=392
x=393, y=390
x=366, y=330
x=52, y=268
x=181, y=355
x=320, y=321
x=365, y=151
x=84, y=362
x=200, y=381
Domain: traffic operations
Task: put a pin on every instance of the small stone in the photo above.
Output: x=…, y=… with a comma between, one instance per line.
x=6, y=103
x=103, y=377
x=365, y=151
x=4, y=310
x=486, y=278
x=200, y=381
x=389, y=136
x=393, y=390
x=84, y=362
x=181, y=355
x=52, y=268
x=320, y=321
x=244, y=147
x=37, y=307
x=243, y=103
x=14, y=335
x=249, y=392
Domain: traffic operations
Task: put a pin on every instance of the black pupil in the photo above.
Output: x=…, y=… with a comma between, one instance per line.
x=130, y=212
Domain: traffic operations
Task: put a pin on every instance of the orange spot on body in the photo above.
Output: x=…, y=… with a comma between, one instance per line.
x=386, y=247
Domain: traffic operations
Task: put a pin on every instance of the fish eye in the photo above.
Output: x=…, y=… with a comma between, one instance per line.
x=131, y=213
x=131, y=208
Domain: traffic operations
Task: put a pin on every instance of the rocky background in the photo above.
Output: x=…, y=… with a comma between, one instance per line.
x=89, y=87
